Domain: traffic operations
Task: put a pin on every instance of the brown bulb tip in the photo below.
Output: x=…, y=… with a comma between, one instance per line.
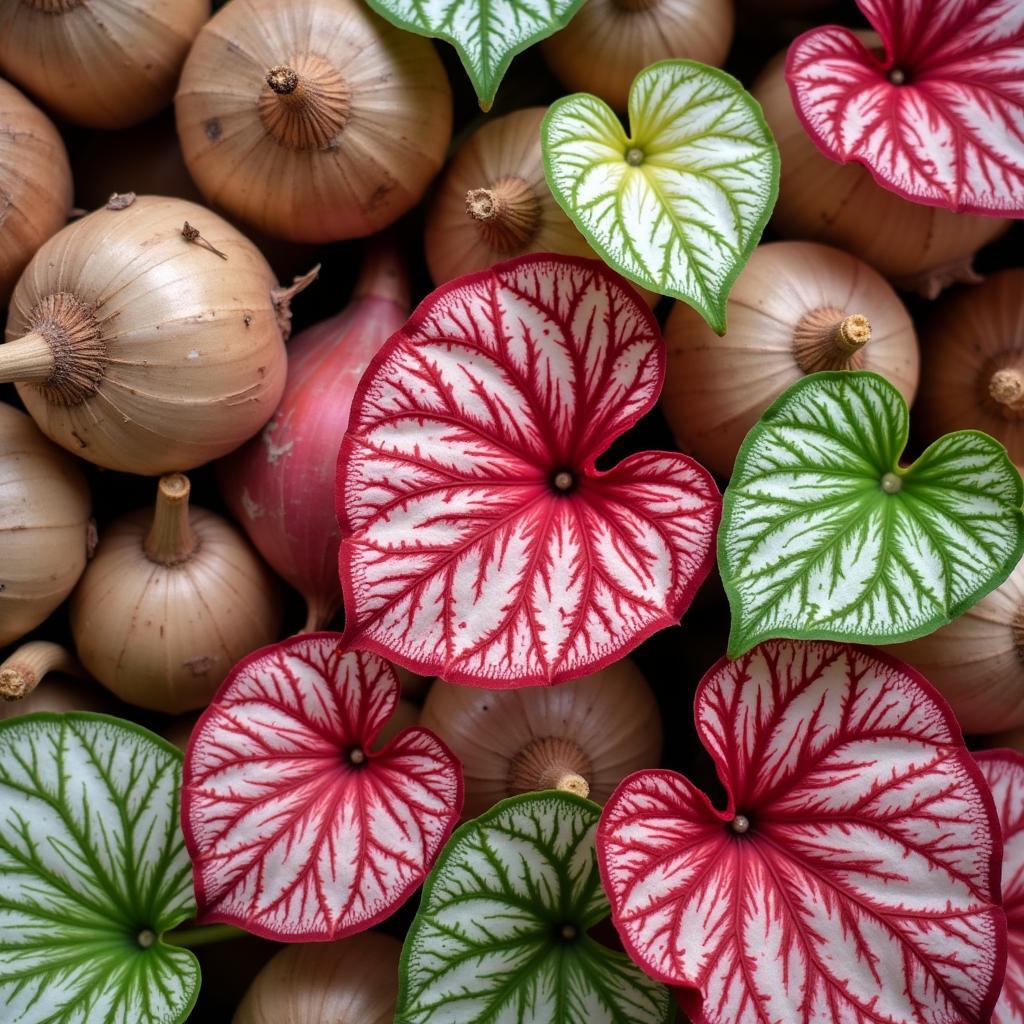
x=575, y=784
x=282, y=79
x=563, y=480
x=13, y=684
x=1006, y=386
x=481, y=204
x=174, y=487
x=740, y=824
x=356, y=755
x=854, y=331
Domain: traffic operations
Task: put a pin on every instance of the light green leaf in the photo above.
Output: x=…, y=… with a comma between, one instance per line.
x=825, y=536
x=486, y=33
x=678, y=204
x=501, y=933
x=93, y=870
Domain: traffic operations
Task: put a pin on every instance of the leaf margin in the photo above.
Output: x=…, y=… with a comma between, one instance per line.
x=485, y=96
x=464, y=829
x=715, y=318
x=210, y=917
x=165, y=746
x=356, y=637
x=741, y=641
x=691, y=999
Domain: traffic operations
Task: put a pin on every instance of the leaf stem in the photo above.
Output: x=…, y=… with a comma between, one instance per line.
x=203, y=935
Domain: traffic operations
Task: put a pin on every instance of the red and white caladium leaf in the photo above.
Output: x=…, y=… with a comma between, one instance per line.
x=297, y=828
x=853, y=877
x=479, y=541
x=940, y=119
x=1004, y=772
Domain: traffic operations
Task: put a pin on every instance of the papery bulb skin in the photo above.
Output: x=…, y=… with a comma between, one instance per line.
x=597, y=729
x=46, y=534
x=101, y=63
x=608, y=42
x=43, y=676
x=796, y=308
x=354, y=981
x=973, y=378
x=157, y=357
x=35, y=183
x=280, y=486
x=977, y=661
x=493, y=202
x=173, y=598
x=312, y=121
x=919, y=248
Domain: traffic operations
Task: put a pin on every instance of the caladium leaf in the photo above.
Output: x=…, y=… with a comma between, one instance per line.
x=487, y=34
x=298, y=829
x=1004, y=773
x=678, y=204
x=93, y=870
x=825, y=536
x=939, y=119
x=853, y=876
x=501, y=932
x=479, y=541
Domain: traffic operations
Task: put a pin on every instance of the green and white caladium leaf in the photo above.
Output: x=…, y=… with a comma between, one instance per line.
x=93, y=870
x=501, y=932
x=679, y=203
x=826, y=536
x=487, y=34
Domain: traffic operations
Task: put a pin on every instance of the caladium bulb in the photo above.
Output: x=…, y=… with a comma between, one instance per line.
x=480, y=543
x=853, y=876
x=939, y=119
x=298, y=829
x=1004, y=772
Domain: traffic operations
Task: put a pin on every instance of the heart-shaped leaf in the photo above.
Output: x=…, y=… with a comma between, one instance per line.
x=298, y=829
x=93, y=870
x=479, y=541
x=678, y=204
x=1004, y=773
x=501, y=931
x=853, y=877
x=825, y=536
x=940, y=119
x=487, y=34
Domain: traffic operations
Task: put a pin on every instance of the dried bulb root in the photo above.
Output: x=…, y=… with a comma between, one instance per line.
x=507, y=214
x=22, y=672
x=306, y=104
x=550, y=762
x=63, y=353
x=1006, y=390
x=829, y=339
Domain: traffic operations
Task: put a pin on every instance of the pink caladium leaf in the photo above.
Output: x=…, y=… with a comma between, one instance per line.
x=298, y=830
x=940, y=118
x=1004, y=772
x=480, y=542
x=853, y=877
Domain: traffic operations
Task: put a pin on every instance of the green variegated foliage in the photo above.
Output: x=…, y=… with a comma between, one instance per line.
x=825, y=535
x=93, y=870
x=501, y=932
x=487, y=34
x=679, y=203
